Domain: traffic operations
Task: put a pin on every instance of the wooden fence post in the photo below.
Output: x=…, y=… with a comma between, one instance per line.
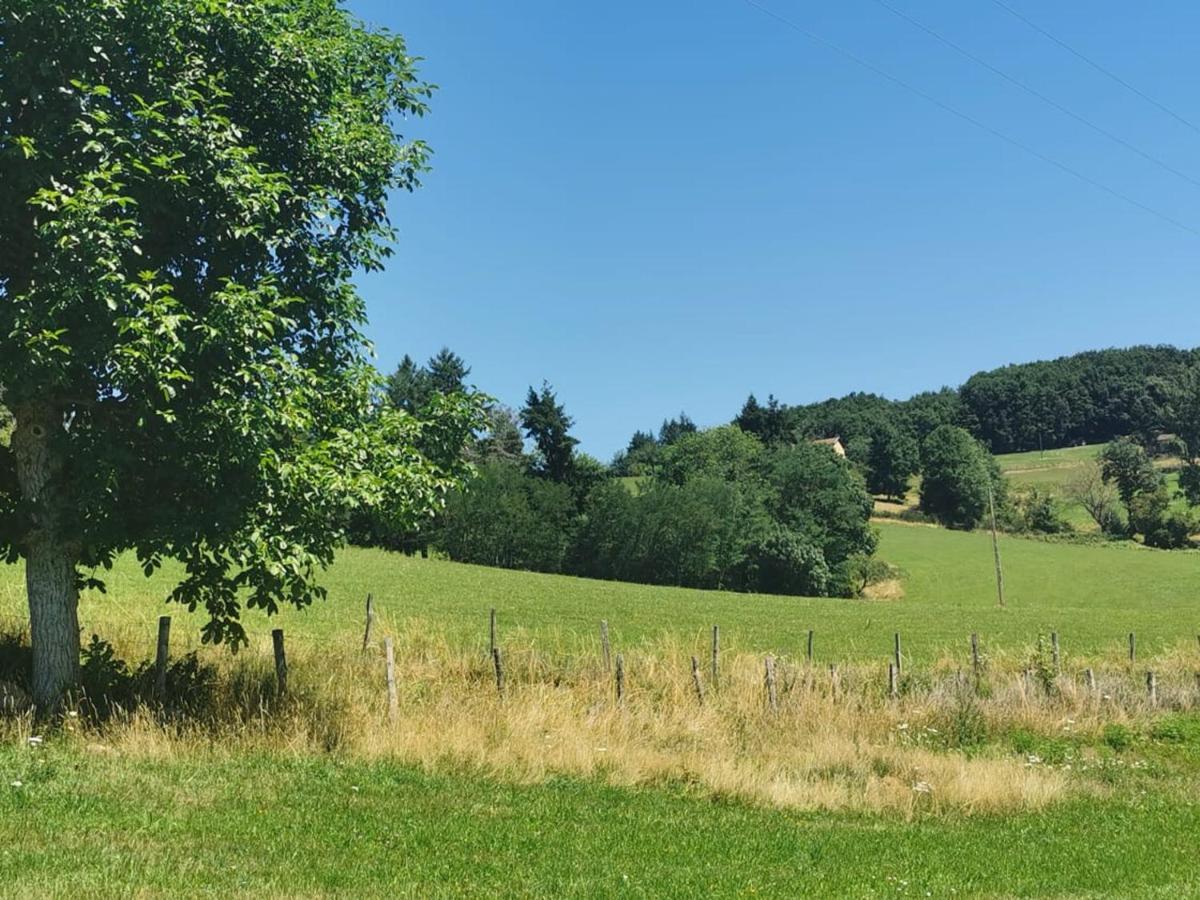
x=1089, y=678
x=370, y=622
x=772, y=699
x=492, y=629
x=899, y=664
x=498, y=663
x=281, y=671
x=1054, y=650
x=1132, y=647
x=810, y=645
x=605, y=647
x=620, y=678
x=975, y=654
x=393, y=701
x=716, y=655
x=699, y=685
x=1152, y=688
x=160, y=658
x=893, y=685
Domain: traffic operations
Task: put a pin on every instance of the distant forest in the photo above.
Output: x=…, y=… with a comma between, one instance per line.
x=1087, y=398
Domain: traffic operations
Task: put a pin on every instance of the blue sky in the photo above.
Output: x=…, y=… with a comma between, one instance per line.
x=667, y=205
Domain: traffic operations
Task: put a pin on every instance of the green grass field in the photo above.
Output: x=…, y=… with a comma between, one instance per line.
x=1092, y=595
x=199, y=820
x=85, y=824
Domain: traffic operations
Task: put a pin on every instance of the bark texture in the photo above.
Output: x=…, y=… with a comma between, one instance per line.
x=50, y=574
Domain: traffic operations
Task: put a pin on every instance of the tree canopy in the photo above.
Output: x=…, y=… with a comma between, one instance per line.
x=186, y=189
x=960, y=482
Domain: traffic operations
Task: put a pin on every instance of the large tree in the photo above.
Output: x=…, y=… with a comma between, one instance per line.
x=960, y=481
x=186, y=188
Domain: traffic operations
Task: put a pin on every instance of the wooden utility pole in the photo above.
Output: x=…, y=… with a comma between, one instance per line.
x=996, y=545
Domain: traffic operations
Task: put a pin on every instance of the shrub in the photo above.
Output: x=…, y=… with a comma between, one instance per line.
x=1118, y=737
x=1037, y=510
x=1150, y=516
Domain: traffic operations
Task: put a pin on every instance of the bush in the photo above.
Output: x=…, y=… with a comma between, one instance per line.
x=867, y=570
x=1172, y=532
x=1037, y=510
x=783, y=562
x=1150, y=516
x=1118, y=737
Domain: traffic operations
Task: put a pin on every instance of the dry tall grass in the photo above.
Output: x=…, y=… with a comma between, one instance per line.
x=836, y=741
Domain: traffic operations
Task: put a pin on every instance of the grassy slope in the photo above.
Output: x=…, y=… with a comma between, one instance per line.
x=1054, y=469
x=1092, y=595
x=1050, y=470
x=270, y=825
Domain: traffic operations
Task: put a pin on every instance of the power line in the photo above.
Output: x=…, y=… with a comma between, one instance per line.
x=1050, y=101
x=1108, y=73
x=966, y=117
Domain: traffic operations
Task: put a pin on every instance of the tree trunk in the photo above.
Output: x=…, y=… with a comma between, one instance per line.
x=50, y=577
x=53, y=623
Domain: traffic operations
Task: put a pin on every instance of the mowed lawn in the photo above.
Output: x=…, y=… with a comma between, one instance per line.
x=1092, y=595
